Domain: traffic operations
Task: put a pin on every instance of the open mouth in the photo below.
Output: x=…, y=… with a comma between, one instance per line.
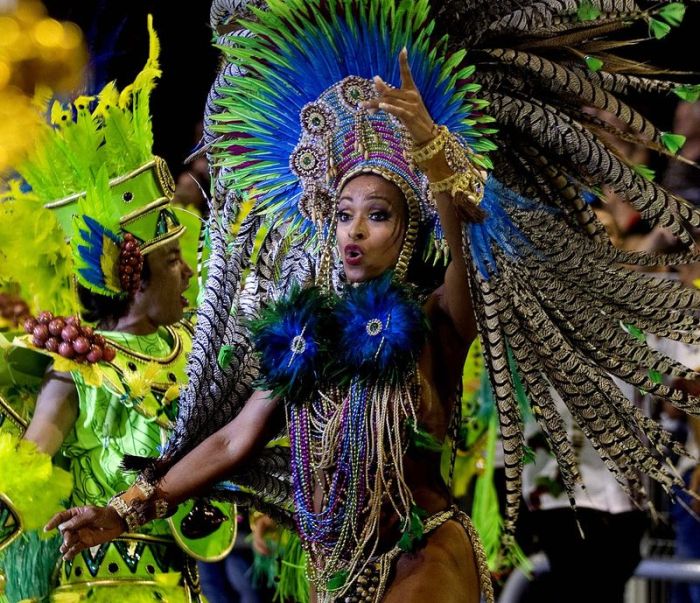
x=353, y=255
x=184, y=301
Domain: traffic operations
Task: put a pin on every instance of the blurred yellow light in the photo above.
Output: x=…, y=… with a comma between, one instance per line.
x=72, y=36
x=48, y=32
x=9, y=31
x=5, y=73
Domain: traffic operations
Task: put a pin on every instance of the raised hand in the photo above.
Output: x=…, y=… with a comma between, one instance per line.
x=84, y=527
x=405, y=103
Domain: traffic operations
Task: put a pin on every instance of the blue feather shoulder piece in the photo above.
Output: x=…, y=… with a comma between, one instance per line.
x=382, y=329
x=291, y=338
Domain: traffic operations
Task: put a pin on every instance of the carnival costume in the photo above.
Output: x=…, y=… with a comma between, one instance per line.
x=556, y=304
x=98, y=201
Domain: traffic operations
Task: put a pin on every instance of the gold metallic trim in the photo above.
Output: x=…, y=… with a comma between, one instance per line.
x=145, y=209
x=148, y=538
x=12, y=415
x=20, y=524
x=163, y=239
x=164, y=176
x=114, y=182
x=177, y=348
x=183, y=545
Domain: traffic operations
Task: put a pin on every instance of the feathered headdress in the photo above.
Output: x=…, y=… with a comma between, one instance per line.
x=302, y=136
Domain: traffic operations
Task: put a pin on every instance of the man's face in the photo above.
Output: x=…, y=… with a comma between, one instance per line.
x=161, y=297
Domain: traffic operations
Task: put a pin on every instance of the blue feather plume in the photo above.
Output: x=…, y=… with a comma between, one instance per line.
x=289, y=337
x=499, y=230
x=97, y=251
x=382, y=328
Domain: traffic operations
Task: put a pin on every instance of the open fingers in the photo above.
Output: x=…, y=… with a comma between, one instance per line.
x=77, y=521
x=385, y=89
x=407, y=82
x=73, y=551
x=397, y=110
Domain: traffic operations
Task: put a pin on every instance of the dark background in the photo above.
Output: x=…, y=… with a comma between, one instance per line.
x=117, y=35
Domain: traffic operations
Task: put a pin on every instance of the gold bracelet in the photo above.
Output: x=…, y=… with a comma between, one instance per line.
x=460, y=182
x=132, y=518
x=425, y=152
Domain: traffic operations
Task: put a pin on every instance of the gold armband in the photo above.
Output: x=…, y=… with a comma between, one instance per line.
x=467, y=183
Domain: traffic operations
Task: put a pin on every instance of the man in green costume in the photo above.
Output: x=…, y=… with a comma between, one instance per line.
x=112, y=375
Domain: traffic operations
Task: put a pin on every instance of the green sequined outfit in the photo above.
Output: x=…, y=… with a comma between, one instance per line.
x=113, y=421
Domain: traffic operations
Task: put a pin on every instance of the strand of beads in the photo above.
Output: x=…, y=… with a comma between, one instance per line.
x=67, y=337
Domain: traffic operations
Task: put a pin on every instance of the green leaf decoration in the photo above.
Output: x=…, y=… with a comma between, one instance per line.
x=225, y=356
x=659, y=29
x=655, y=376
x=413, y=530
x=594, y=64
x=528, y=455
x=424, y=440
x=673, y=13
x=634, y=331
x=644, y=171
x=587, y=12
x=688, y=93
x=673, y=142
x=337, y=580
x=552, y=486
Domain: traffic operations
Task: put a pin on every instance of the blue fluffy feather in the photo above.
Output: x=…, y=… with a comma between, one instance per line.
x=499, y=230
x=396, y=344
x=302, y=314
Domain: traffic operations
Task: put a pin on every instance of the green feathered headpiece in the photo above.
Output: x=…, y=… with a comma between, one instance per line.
x=94, y=171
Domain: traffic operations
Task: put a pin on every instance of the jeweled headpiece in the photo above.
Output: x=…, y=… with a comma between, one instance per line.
x=341, y=140
x=304, y=133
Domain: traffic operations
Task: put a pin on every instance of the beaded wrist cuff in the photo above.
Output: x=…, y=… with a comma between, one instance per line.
x=133, y=519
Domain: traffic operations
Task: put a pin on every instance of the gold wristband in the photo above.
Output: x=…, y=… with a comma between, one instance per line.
x=425, y=152
x=133, y=519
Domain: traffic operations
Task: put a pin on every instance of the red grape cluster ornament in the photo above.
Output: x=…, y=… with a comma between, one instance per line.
x=68, y=338
x=130, y=264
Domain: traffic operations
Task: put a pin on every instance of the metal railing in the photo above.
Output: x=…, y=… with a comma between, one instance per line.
x=652, y=568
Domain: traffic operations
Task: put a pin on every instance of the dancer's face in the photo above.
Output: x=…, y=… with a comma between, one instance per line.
x=371, y=226
x=161, y=297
